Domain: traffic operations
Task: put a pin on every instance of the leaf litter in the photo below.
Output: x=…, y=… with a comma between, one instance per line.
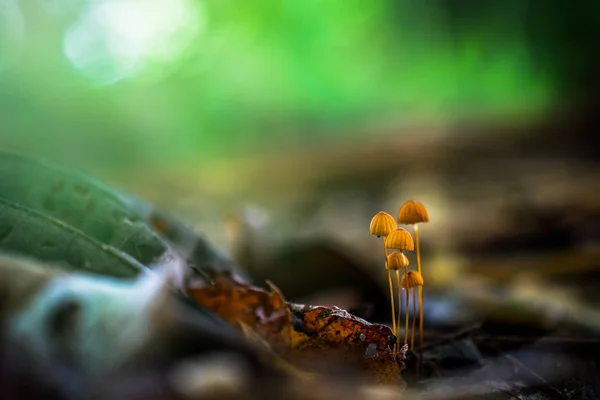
x=311, y=338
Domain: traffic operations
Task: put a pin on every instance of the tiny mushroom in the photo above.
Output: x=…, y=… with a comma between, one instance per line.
x=410, y=280
x=413, y=213
x=381, y=226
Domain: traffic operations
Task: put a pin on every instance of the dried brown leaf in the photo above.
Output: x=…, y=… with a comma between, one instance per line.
x=312, y=338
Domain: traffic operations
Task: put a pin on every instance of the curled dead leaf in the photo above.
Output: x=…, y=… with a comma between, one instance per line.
x=241, y=303
x=332, y=335
x=312, y=338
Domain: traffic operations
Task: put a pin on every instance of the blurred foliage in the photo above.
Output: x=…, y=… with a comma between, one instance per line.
x=71, y=219
x=132, y=81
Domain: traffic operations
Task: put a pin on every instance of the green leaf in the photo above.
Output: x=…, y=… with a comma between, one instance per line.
x=81, y=203
x=85, y=208
x=25, y=231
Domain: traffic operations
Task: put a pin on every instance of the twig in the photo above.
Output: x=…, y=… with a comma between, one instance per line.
x=458, y=335
x=534, y=374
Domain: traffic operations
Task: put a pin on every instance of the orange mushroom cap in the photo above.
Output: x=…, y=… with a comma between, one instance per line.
x=412, y=212
x=382, y=224
x=397, y=260
x=412, y=279
x=400, y=239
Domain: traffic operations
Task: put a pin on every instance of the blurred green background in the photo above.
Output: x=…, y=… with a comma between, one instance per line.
x=110, y=83
x=203, y=106
x=280, y=127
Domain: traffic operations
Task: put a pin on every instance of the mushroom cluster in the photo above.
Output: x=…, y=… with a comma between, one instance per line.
x=383, y=225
